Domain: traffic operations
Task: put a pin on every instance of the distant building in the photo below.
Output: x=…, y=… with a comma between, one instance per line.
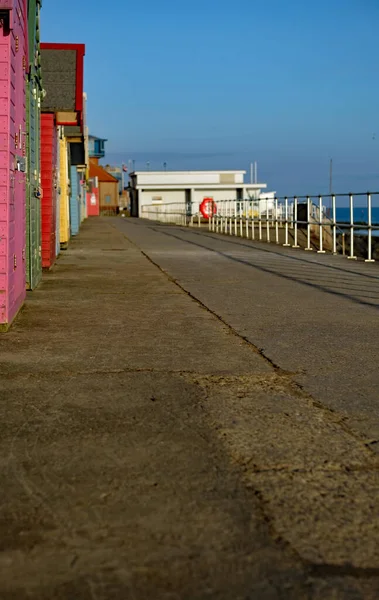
x=188, y=188
x=107, y=185
x=118, y=174
x=96, y=146
x=102, y=184
x=63, y=81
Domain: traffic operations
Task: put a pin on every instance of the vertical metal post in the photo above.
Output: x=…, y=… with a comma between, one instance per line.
x=276, y=221
x=252, y=221
x=321, y=230
x=351, y=203
x=369, y=225
x=334, y=224
x=247, y=218
x=308, y=224
x=286, y=244
x=259, y=220
x=295, y=244
x=236, y=210
x=267, y=223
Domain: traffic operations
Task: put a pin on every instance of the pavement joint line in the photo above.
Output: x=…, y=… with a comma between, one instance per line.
x=297, y=387
x=371, y=468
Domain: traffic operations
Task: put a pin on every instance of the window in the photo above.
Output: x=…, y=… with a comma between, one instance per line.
x=107, y=199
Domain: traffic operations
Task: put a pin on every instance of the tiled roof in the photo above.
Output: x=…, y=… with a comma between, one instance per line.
x=102, y=175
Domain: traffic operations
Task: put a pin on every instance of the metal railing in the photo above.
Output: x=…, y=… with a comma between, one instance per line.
x=337, y=223
x=174, y=213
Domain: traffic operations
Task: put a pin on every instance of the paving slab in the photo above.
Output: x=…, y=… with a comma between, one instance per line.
x=148, y=450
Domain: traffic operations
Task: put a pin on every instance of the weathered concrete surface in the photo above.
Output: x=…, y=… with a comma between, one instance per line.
x=148, y=451
x=313, y=315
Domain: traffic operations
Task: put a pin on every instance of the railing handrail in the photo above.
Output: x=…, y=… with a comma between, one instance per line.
x=319, y=221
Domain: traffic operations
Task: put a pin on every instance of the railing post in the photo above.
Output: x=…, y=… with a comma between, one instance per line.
x=286, y=244
x=309, y=247
x=369, y=224
x=247, y=218
x=295, y=244
x=252, y=220
x=241, y=217
x=321, y=231
x=276, y=221
x=334, y=224
x=351, y=202
x=259, y=220
x=268, y=237
x=235, y=204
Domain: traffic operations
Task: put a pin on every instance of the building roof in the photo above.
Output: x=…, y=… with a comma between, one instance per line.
x=197, y=172
x=95, y=137
x=96, y=170
x=62, y=66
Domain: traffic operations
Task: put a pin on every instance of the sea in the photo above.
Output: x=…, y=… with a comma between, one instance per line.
x=360, y=214
x=360, y=217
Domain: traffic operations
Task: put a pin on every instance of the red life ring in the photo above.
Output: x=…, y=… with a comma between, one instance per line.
x=208, y=208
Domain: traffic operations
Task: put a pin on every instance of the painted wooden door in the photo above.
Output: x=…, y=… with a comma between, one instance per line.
x=33, y=201
x=13, y=52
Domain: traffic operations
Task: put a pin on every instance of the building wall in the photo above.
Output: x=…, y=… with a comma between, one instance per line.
x=108, y=194
x=33, y=119
x=190, y=178
x=49, y=192
x=74, y=201
x=58, y=194
x=82, y=196
x=117, y=173
x=12, y=181
x=64, y=225
x=146, y=197
x=178, y=197
x=93, y=207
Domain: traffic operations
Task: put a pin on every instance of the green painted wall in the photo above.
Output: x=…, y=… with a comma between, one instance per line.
x=33, y=124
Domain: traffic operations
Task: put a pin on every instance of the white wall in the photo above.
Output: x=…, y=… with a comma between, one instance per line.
x=168, y=196
x=186, y=177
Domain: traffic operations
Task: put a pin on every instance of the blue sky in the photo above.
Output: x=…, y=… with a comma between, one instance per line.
x=218, y=84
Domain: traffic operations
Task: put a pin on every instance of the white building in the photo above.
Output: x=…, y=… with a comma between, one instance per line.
x=188, y=188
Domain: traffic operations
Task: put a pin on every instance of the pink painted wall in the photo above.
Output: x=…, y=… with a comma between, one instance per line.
x=13, y=60
x=93, y=205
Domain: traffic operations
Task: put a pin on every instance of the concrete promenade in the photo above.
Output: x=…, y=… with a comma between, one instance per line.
x=185, y=417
